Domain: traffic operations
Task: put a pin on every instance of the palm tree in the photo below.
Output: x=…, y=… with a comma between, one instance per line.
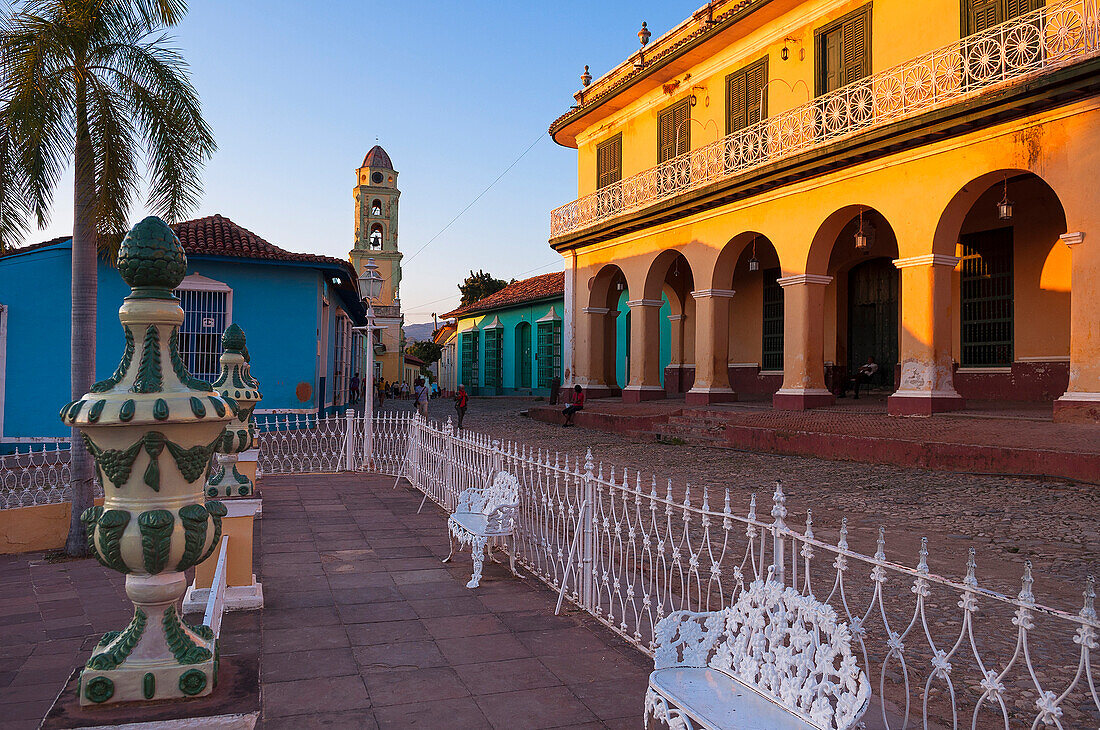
x=97, y=82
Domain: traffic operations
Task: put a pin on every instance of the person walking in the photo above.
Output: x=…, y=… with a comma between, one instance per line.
x=461, y=401
x=422, y=394
x=353, y=389
x=380, y=390
x=576, y=405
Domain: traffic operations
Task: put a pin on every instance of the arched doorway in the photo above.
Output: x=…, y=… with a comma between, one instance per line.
x=659, y=340
x=873, y=318
x=524, y=360
x=601, y=338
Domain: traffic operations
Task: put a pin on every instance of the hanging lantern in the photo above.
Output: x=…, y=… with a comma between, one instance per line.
x=619, y=286
x=1004, y=208
x=863, y=235
x=754, y=263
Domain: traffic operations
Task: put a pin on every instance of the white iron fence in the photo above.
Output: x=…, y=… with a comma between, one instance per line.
x=37, y=473
x=1046, y=39
x=941, y=652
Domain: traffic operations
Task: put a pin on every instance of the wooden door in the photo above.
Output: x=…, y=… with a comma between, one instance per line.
x=873, y=318
x=523, y=356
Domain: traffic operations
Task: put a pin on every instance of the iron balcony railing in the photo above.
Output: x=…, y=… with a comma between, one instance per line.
x=1054, y=36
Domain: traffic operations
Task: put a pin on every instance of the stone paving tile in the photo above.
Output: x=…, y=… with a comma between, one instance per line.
x=506, y=676
x=542, y=707
x=424, y=685
x=457, y=714
x=308, y=696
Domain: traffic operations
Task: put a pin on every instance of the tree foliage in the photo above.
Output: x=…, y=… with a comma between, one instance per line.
x=478, y=286
x=426, y=350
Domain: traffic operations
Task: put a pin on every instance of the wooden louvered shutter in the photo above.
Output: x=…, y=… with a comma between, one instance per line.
x=609, y=161
x=856, y=47
x=736, y=102
x=1014, y=8
x=673, y=133
x=757, y=77
x=982, y=14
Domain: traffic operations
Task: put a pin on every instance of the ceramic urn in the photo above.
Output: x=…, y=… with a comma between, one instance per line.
x=152, y=429
x=235, y=381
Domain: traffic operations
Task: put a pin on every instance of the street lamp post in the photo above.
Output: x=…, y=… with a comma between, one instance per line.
x=370, y=288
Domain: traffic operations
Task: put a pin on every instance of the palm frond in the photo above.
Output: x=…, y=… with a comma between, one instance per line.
x=116, y=176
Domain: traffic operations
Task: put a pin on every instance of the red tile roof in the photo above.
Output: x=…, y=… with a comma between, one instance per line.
x=377, y=157
x=216, y=235
x=543, y=286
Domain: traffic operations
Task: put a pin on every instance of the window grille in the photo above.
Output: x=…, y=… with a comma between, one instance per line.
x=469, y=359
x=341, y=376
x=987, y=299
x=493, y=357
x=772, y=346
x=549, y=352
x=200, y=335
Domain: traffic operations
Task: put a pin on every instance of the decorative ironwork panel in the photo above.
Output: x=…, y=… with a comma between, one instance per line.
x=986, y=293
x=772, y=346
x=549, y=352
x=204, y=320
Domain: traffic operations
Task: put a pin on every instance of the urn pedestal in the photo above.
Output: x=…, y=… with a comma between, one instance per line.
x=152, y=429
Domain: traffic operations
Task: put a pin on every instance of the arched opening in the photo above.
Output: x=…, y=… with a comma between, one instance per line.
x=375, y=239
x=524, y=362
x=865, y=305
x=1011, y=289
x=660, y=327
x=598, y=372
x=751, y=344
x=376, y=207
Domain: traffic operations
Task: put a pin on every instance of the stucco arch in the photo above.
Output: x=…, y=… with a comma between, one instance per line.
x=820, y=256
x=725, y=266
x=602, y=288
x=661, y=268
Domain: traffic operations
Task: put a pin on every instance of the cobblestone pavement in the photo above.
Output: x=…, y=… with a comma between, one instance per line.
x=1008, y=520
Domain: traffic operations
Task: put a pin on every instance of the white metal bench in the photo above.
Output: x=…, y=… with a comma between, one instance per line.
x=484, y=514
x=774, y=659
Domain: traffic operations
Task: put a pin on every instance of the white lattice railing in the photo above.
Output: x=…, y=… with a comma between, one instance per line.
x=1054, y=36
x=37, y=474
x=941, y=652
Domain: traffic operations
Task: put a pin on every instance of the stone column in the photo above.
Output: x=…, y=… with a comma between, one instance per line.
x=589, y=362
x=803, y=344
x=927, y=382
x=1081, y=401
x=152, y=428
x=712, y=326
x=645, y=351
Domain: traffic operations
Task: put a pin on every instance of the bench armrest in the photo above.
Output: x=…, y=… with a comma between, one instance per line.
x=688, y=638
x=469, y=497
x=502, y=519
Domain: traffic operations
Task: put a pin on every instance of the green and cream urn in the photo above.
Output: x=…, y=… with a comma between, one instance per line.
x=152, y=429
x=235, y=382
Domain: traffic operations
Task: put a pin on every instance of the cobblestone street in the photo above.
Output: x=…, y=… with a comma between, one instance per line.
x=1008, y=520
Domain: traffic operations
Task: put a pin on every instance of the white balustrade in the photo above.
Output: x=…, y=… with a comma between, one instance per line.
x=1039, y=42
x=37, y=474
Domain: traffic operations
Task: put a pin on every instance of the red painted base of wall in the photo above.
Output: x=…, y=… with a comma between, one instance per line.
x=905, y=405
x=1080, y=411
x=1028, y=381
x=599, y=391
x=705, y=398
x=678, y=380
x=801, y=401
x=748, y=380
x=630, y=425
x=631, y=395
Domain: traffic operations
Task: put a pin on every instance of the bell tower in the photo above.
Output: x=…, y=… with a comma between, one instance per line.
x=376, y=198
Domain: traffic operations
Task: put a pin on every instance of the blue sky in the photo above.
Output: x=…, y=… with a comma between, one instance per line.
x=297, y=92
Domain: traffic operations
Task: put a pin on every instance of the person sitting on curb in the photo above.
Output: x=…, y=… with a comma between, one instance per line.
x=576, y=405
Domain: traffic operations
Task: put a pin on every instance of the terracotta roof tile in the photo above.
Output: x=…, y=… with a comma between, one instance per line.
x=543, y=286
x=377, y=157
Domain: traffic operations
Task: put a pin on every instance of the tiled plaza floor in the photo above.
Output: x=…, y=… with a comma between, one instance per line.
x=363, y=626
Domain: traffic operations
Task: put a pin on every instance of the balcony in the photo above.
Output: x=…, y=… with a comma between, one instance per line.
x=1041, y=42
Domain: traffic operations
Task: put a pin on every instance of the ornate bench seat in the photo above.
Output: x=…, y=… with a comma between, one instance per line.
x=482, y=515
x=774, y=659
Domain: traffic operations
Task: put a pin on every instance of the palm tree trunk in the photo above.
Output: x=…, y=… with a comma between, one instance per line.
x=82, y=372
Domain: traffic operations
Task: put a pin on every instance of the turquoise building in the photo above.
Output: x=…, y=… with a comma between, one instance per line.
x=510, y=343
x=297, y=310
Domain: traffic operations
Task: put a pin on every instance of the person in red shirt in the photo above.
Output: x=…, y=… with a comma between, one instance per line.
x=576, y=405
x=461, y=401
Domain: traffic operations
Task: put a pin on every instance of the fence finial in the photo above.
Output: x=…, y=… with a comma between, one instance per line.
x=1026, y=595
x=752, y=506
x=809, y=524
x=588, y=465
x=779, y=505
x=1089, y=611
x=922, y=564
x=880, y=546
x=971, y=567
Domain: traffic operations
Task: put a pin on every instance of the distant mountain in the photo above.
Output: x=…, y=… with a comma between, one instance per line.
x=418, y=332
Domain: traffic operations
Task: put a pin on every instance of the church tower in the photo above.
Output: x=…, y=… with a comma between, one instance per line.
x=376, y=200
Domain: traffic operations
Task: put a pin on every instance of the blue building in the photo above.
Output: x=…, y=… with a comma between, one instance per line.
x=296, y=309
x=510, y=342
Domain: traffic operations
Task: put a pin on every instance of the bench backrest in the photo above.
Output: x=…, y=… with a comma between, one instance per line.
x=502, y=490
x=788, y=647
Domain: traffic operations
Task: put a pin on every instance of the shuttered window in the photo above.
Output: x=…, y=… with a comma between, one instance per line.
x=549, y=352
x=609, y=161
x=673, y=131
x=494, y=357
x=469, y=359
x=772, y=345
x=844, y=50
x=743, y=96
x=986, y=289
x=978, y=15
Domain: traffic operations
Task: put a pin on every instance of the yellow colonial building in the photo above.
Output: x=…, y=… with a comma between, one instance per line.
x=376, y=199
x=775, y=191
